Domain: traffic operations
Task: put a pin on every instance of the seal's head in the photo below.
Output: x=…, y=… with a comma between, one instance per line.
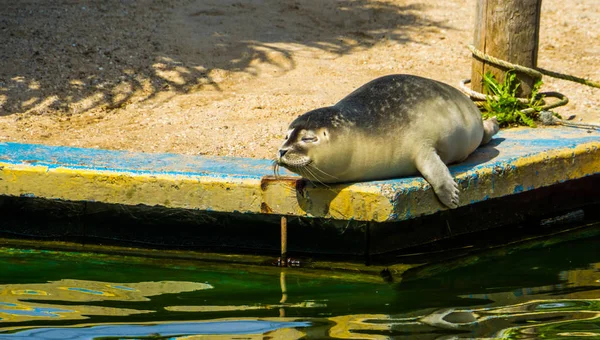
x=309, y=144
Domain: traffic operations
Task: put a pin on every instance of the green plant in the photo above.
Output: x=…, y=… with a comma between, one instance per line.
x=505, y=106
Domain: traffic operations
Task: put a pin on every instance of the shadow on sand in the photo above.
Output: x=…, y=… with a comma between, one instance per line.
x=73, y=56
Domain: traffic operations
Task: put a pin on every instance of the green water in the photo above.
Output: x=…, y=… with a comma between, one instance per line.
x=551, y=292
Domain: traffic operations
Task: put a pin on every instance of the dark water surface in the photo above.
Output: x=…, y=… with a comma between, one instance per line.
x=551, y=293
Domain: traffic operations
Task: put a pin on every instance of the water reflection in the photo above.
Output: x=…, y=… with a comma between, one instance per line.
x=524, y=295
x=175, y=330
x=17, y=299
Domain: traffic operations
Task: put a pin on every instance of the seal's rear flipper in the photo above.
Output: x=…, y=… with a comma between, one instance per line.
x=490, y=128
x=430, y=165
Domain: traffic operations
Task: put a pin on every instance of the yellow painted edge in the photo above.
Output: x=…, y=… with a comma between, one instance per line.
x=174, y=191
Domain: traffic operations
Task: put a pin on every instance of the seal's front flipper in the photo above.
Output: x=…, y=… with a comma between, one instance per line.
x=490, y=128
x=437, y=174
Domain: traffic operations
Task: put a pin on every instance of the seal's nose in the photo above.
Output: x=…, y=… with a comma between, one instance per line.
x=282, y=152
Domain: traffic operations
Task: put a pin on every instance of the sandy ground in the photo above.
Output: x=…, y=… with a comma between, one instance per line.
x=226, y=77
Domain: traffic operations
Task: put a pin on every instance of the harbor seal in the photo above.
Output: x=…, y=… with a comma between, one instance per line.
x=393, y=126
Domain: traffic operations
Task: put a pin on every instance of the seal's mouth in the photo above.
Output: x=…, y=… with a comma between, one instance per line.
x=294, y=166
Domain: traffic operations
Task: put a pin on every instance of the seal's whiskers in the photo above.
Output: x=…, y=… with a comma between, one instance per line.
x=306, y=168
x=314, y=176
x=276, y=169
x=303, y=174
x=321, y=171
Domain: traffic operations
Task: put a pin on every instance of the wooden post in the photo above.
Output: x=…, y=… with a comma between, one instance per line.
x=283, y=241
x=508, y=30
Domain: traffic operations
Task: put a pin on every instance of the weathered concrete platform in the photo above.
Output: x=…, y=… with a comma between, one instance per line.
x=517, y=160
x=166, y=201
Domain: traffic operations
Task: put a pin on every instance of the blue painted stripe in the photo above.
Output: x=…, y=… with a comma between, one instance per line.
x=133, y=162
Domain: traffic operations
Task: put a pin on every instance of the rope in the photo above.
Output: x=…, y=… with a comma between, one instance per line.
x=481, y=96
x=535, y=73
x=563, y=100
x=546, y=116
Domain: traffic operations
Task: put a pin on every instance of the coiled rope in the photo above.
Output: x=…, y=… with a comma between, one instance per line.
x=537, y=74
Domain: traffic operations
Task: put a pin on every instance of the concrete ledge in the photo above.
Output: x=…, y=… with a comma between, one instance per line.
x=517, y=160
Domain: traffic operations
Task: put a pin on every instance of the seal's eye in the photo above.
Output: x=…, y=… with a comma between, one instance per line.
x=309, y=139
